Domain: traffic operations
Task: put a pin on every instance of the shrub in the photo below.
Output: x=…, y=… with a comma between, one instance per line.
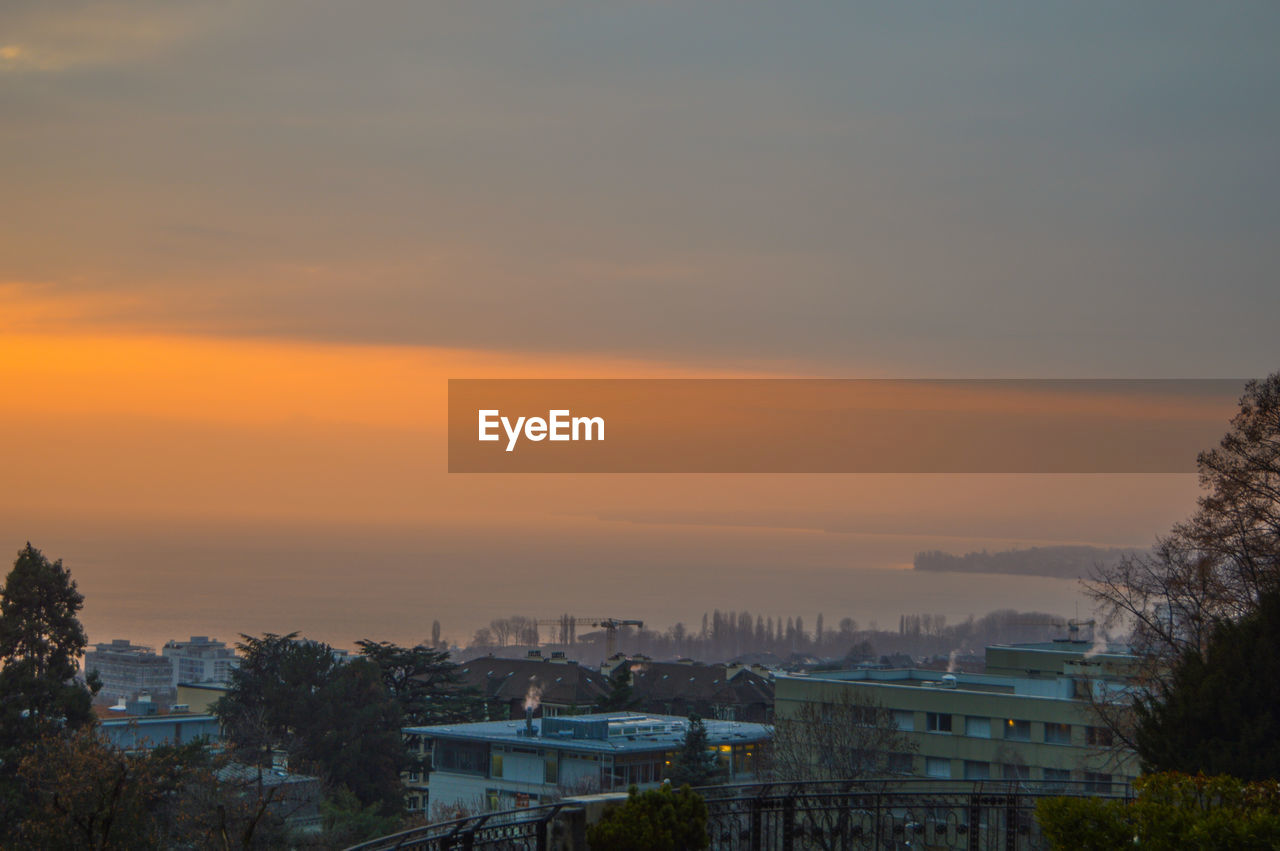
x=1172, y=812
x=658, y=820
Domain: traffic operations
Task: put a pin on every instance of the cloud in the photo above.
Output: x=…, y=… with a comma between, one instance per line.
x=54, y=38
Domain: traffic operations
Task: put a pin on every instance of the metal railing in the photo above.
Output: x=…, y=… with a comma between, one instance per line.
x=884, y=814
x=866, y=815
x=527, y=829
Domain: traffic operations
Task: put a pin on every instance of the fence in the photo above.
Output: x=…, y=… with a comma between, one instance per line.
x=813, y=816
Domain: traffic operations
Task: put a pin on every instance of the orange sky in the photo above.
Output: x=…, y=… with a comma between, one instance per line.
x=122, y=439
x=244, y=245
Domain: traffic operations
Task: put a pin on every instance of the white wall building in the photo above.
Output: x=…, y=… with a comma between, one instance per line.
x=200, y=660
x=499, y=765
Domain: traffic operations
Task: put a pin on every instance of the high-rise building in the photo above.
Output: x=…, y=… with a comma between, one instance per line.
x=128, y=670
x=200, y=660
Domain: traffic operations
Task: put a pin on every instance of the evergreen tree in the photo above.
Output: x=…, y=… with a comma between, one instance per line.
x=1217, y=712
x=425, y=682
x=41, y=641
x=620, y=694
x=696, y=764
x=335, y=720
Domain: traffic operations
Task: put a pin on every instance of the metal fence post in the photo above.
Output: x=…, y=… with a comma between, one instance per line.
x=789, y=822
x=757, y=825
x=1011, y=823
x=975, y=822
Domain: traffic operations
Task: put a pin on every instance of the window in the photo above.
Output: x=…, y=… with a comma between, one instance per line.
x=1009, y=771
x=744, y=762
x=1057, y=776
x=493, y=800
x=977, y=770
x=495, y=764
x=1098, y=737
x=936, y=767
x=1057, y=734
x=1016, y=730
x=461, y=756
x=937, y=722
x=977, y=727
x=551, y=767
x=902, y=763
x=1097, y=784
x=904, y=719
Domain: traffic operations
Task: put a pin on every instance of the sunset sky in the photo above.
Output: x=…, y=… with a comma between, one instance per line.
x=244, y=245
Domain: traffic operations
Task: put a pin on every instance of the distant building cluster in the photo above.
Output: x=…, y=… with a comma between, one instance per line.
x=1019, y=713
x=1022, y=716
x=131, y=671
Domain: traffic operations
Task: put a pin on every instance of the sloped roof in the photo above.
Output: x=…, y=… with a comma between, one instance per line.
x=553, y=682
x=664, y=681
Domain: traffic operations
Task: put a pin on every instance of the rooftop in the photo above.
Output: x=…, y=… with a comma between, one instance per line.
x=1087, y=648
x=607, y=732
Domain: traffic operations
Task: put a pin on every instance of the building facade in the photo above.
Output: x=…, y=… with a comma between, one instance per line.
x=733, y=692
x=200, y=660
x=499, y=765
x=129, y=671
x=143, y=725
x=1037, y=727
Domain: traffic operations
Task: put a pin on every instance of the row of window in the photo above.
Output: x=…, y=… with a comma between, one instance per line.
x=941, y=768
x=1012, y=729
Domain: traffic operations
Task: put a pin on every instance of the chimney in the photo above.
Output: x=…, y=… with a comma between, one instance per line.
x=528, y=721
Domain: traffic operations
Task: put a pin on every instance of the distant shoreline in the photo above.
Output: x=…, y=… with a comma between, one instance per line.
x=1062, y=562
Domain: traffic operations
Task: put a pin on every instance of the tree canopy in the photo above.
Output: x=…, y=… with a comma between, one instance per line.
x=696, y=763
x=332, y=718
x=1172, y=812
x=1212, y=569
x=1216, y=713
x=1217, y=564
x=621, y=694
x=41, y=641
x=426, y=684
x=657, y=820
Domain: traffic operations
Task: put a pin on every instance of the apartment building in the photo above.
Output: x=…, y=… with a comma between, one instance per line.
x=200, y=660
x=499, y=765
x=129, y=671
x=1027, y=719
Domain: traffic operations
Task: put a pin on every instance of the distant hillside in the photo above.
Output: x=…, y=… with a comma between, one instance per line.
x=1059, y=562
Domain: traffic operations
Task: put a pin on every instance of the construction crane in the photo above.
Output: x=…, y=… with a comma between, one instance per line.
x=569, y=625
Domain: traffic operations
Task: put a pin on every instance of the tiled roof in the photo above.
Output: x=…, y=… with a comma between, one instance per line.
x=554, y=682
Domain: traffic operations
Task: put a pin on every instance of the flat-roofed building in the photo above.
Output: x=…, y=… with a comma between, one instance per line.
x=142, y=725
x=200, y=659
x=129, y=671
x=499, y=765
x=1036, y=728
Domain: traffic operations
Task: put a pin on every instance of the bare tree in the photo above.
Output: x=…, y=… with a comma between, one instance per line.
x=1212, y=567
x=847, y=737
